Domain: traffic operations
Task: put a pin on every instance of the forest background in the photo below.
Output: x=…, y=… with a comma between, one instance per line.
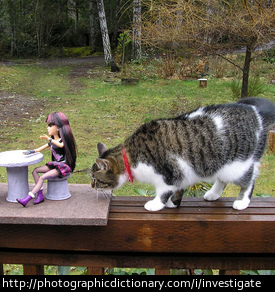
x=214, y=27
x=42, y=28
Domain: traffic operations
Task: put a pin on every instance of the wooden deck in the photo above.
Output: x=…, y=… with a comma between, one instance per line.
x=197, y=226
x=199, y=234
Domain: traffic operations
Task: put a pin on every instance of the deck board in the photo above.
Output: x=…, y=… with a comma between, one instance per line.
x=196, y=226
x=198, y=234
x=84, y=207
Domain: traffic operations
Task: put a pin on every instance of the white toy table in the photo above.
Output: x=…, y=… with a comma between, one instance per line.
x=17, y=169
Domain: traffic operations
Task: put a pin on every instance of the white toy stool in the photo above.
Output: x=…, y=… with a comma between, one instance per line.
x=58, y=188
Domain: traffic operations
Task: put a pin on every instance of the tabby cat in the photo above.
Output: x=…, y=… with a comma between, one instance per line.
x=219, y=143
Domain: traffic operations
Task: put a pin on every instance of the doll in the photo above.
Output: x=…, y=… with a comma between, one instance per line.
x=62, y=144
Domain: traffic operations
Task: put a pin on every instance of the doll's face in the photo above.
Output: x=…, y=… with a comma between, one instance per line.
x=52, y=130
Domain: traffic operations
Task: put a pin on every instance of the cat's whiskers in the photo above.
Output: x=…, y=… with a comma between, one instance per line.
x=97, y=194
x=101, y=192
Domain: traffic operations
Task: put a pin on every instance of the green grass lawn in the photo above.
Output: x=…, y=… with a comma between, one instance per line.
x=101, y=111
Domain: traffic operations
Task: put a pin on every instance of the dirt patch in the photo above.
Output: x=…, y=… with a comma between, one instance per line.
x=15, y=108
x=76, y=85
x=93, y=61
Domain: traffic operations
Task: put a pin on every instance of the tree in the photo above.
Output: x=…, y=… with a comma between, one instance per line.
x=104, y=32
x=92, y=24
x=137, y=29
x=211, y=27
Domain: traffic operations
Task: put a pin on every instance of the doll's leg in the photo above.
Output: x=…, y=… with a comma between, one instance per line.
x=49, y=174
x=39, y=183
x=40, y=169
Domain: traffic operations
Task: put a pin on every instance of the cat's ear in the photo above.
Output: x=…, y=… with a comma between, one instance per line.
x=101, y=148
x=103, y=164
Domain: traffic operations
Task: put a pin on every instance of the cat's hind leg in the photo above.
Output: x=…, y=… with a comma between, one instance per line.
x=175, y=200
x=215, y=192
x=247, y=186
x=244, y=197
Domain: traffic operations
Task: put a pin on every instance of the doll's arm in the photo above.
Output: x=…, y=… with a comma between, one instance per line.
x=55, y=142
x=28, y=152
x=58, y=144
x=41, y=148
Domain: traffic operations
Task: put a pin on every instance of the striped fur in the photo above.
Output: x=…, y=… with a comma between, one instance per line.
x=219, y=143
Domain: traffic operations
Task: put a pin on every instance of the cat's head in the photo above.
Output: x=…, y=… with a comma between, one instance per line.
x=107, y=171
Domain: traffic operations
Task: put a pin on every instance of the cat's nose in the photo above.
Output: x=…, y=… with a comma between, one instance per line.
x=93, y=183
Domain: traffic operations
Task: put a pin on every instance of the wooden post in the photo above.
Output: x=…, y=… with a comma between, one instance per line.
x=203, y=82
x=33, y=269
x=95, y=271
x=271, y=140
x=161, y=272
x=229, y=272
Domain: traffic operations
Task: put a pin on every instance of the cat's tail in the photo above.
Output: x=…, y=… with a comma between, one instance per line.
x=265, y=107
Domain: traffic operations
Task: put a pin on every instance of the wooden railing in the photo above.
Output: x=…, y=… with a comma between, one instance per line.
x=92, y=231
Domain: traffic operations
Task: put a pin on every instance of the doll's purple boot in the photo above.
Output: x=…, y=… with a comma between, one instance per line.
x=25, y=200
x=40, y=197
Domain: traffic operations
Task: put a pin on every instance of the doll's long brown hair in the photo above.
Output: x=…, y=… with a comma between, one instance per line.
x=61, y=121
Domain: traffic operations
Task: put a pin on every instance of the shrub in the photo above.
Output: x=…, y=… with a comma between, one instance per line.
x=77, y=52
x=269, y=56
x=255, y=87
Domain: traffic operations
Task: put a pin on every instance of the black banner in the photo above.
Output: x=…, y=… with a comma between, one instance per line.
x=158, y=283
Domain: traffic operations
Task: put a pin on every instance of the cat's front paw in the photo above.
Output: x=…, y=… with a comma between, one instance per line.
x=211, y=196
x=241, y=204
x=154, y=205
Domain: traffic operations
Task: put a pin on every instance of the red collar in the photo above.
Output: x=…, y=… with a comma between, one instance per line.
x=127, y=166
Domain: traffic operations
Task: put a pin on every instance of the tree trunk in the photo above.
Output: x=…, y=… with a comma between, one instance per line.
x=104, y=32
x=246, y=68
x=137, y=29
x=92, y=24
x=38, y=27
x=12, y=20
x=73, y=13
x=12, y=41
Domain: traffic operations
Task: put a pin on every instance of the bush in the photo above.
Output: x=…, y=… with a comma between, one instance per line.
x=269, y=56
x=255, y=87
x=77, y=52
